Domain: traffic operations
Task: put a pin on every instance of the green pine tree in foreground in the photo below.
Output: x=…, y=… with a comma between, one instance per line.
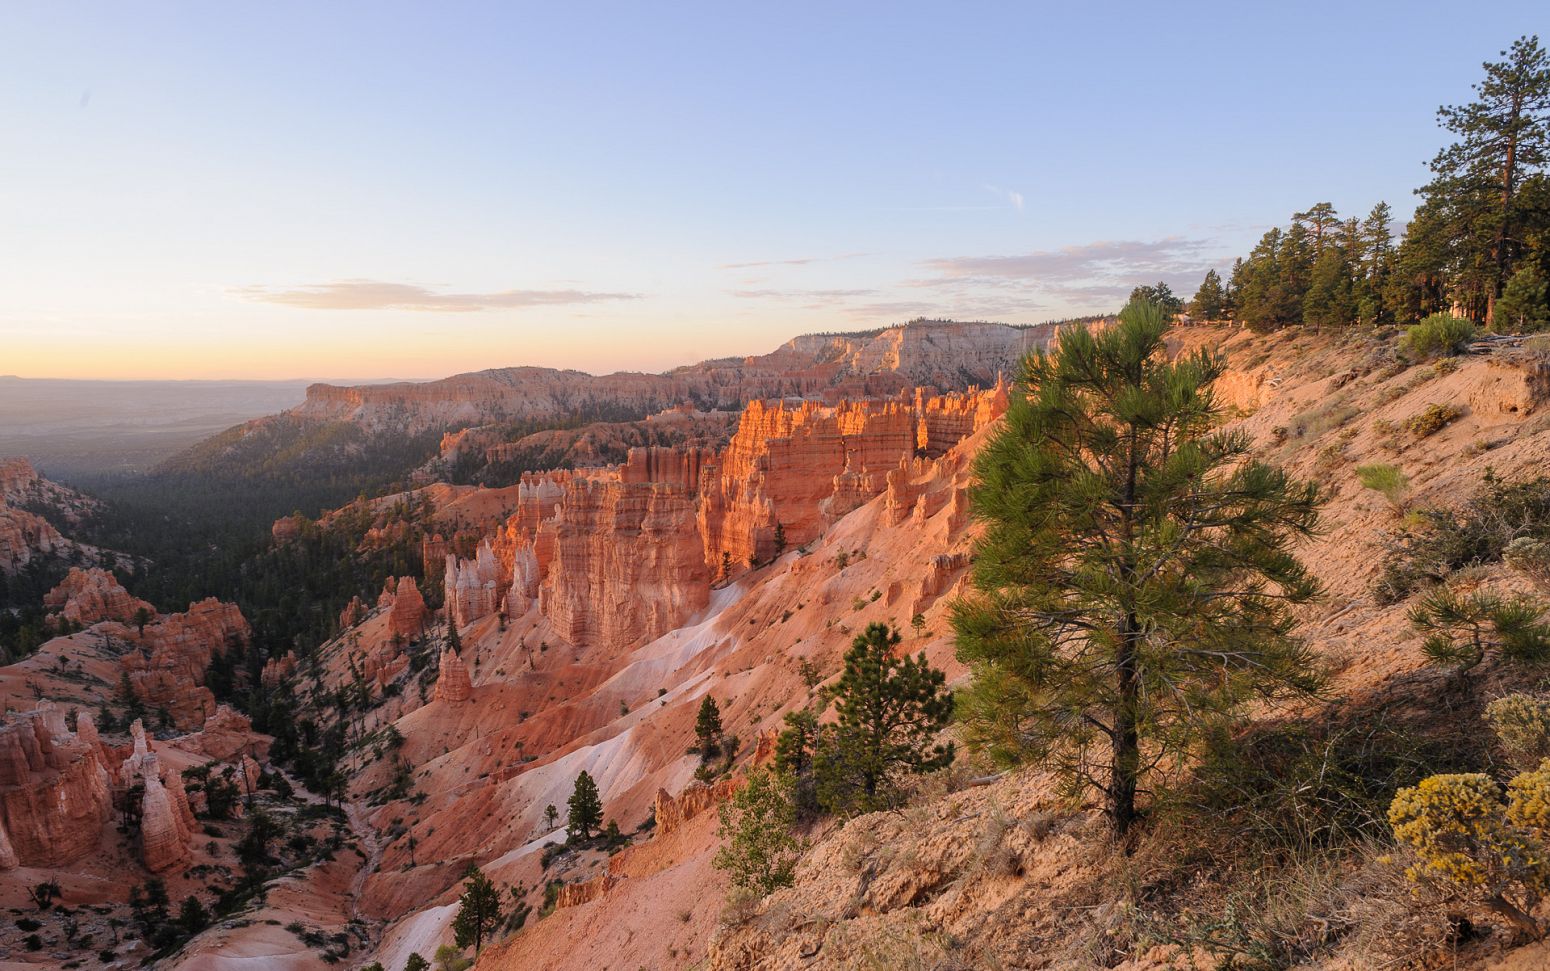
x=1134, y=582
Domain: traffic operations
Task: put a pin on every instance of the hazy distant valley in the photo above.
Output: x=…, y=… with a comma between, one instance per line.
x=92, y=428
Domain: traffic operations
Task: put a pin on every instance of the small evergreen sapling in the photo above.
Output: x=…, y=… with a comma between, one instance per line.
x=890, y=711
x=1463, y=629
x=479, y=911
x=586, y=810
x=707, y=730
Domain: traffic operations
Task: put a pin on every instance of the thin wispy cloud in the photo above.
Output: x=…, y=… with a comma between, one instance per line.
x=797, y=261
x=380, y=295
x=1012, y=196
x=801, y=294
x=1107, y=258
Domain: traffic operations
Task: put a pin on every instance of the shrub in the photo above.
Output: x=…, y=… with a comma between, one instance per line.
x=1530, y=557
x=1433, y=420
x=1521, y=724
x=1440, y=335
x=1435, y=542
x=1474, y=848
x=448, y=959
x=1386, y=480
x=758, y=851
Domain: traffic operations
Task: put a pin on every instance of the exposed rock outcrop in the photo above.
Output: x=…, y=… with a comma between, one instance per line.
x=941, y=354
x=671, y=812
x=277, y=669
x=93, y=595
x=168, y=670
x=163, y=833
x=585, y=891
x=226, y=736
x=452, y=682
x=54, y=789
x=406, y=618
x=353, y=613
x=26, y=535
x=472, y=586
x=628, y=565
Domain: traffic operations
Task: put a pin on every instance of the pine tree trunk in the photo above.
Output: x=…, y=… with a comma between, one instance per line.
x=1503, y=233
x=1126, y=753
x=1126, y=739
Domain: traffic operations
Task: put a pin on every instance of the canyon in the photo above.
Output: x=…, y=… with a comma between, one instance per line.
x=575, y=619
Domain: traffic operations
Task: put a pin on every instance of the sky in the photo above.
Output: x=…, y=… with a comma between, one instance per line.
x=372, y=190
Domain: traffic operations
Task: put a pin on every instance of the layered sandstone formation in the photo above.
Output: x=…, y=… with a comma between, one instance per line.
x=226, y=736
x=89, y=596
x=491, y=448
x=940, y=354
x=452, y=682
x=24, y=534
x=353, y=613
x=471, y=587
x=802, y=468
x=624, y=554
x=167, y=671
x=167, y=821
x=54, y=789
x=406, y=607
x=277, y=669
x=627, y=564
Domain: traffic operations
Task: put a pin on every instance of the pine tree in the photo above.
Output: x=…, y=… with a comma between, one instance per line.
x=1329, y=301
x=1475, y=198
x=796, y=749
x=890, y=712
x=1161, y=294
x=416, y=963
x=1210, y=299
x=1294, y=266
x=551, y=816
x=1319, y=221
x=1266, y=291
x=708, y=730
x=192, y=916
x=586, y=810
x=1134, y=580
x=479, y=911
x=1524, y=305
x=454, y=641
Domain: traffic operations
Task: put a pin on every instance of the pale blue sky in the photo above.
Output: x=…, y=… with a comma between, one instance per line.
x=268, y=190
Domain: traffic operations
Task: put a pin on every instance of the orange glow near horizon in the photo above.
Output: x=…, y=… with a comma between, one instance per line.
x=379, y=350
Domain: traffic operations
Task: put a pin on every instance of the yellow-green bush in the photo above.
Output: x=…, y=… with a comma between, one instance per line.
x=1433, y=420
x=1530, y=557
x=1474, y=847
x=1386, y=480
x=1522, y=724
x=1528, y=799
